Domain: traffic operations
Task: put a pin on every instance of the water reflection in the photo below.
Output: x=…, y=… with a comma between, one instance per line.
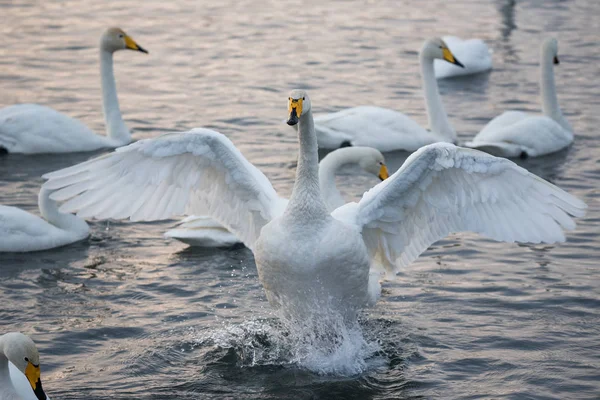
x=507, y=10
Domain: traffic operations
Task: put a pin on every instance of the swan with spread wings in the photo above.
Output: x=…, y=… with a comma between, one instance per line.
x=306, y=256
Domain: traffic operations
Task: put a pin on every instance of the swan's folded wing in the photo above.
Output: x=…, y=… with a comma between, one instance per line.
x=503, y=120
x=197, y=172
x=442, y=188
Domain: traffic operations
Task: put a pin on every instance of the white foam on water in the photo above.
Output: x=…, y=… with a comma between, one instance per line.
x=326, y=344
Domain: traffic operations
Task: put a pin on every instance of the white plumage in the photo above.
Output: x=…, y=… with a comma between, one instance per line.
x=473, y=53
x=515, y=133
x=203, y=231
x=389, y=130
x=306, y=257
x=32, y=128
x=196, y=172
x=16, y=348
x=21, y=231
x=442, y=189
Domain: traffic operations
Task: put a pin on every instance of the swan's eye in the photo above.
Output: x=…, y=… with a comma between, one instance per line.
x=26, y=359
x=304, y=98
x=289, y=98
x=121, y=36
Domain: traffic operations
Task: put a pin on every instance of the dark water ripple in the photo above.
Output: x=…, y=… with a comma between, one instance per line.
x=127, y=314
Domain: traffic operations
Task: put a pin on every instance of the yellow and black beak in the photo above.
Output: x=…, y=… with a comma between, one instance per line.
x=448, y=56
x=294, y=110
x=556, y=62
x=132, y=45
x=32, y=372
x=383, y=173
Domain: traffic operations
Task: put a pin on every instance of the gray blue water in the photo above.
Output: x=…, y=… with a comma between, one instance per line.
x=130, y=315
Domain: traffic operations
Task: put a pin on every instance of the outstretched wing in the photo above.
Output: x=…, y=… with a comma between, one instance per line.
x=442, y=188
x=196, y=172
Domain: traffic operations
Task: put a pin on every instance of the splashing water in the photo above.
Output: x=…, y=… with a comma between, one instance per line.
x=327, y=345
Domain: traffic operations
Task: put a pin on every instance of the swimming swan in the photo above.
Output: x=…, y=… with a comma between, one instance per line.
x=308, y=258
x=19, y=369
x=473, y=53
x=21, y=231
x=32, y=128
x=518, y=134
x=205, y=232
x=389, y=130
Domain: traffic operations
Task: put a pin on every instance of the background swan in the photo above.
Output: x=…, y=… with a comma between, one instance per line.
x=32, y=128
x=389, y=130
x=21, y=231
x=515, y=133
x=473, y=53
x=307, y=258
x=19, y=369
x=206, y=232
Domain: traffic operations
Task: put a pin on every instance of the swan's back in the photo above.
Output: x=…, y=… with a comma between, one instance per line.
x=502, y=121
x=535, y=136
x=32, y=128
x=377, y=127
x=21, y=232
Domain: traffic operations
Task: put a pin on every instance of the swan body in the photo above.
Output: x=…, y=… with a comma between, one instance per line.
x=19, y=369
x=32, y=128
x=21, y=231
x=473, y=53
x=308, y=258
x=515, y=133
x=389, y=130
x=203, y=231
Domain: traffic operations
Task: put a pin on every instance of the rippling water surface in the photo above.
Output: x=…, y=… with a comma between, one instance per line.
x=128, y=314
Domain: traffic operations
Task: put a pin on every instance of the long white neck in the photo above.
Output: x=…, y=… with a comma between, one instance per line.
x=306, y=201
x=438, y=119
x=6, y=386
x=329, y=166
x=550, y=106
x=116, y=128
x=50, y=212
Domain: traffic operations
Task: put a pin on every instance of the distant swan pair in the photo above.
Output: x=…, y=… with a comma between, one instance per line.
x=512, y=134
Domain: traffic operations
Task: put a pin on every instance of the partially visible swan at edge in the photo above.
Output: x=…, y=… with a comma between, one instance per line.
x=473, y=53
x=389, y=130
x=20, y=368
x=32, y=128
x=205, y=232
x=518, y=134
x=310, y=260
x=21, y=231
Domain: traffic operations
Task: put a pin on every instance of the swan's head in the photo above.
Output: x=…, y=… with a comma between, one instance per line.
x=115, y=39
x=550, y=49
x=437, y=48
x=21, y=351
x=372, y=161
x=298, y=104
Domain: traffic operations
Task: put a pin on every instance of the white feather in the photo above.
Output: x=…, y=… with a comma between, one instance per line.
x=197, y=172
x=442, y=189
